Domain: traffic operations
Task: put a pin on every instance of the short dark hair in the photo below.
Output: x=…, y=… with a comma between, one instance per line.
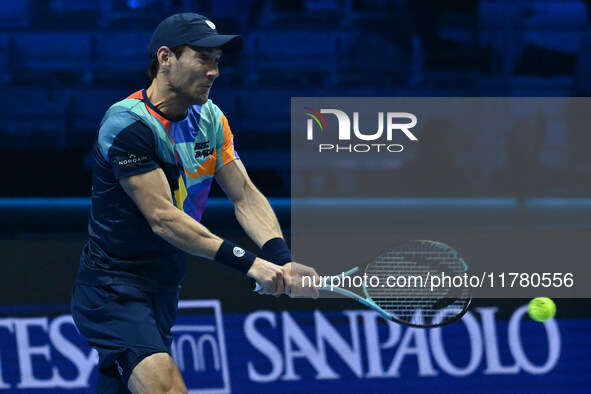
x=155, y=65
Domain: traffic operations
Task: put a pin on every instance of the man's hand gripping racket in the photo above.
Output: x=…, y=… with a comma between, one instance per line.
x=417, y=303
x=286, y=279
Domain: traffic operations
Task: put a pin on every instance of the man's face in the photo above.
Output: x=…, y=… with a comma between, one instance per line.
x=193, y=72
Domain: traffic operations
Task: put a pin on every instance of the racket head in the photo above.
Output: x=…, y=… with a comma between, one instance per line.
x=418, y=306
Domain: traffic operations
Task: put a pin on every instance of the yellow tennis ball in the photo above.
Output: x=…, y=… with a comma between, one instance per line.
x=541, y=309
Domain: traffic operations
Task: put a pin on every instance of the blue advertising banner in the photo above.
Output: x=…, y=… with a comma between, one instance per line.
x=348, y=351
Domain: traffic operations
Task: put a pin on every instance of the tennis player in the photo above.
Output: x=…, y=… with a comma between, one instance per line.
x=155, y=156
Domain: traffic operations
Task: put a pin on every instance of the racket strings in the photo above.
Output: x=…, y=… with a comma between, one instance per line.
x=411, y=296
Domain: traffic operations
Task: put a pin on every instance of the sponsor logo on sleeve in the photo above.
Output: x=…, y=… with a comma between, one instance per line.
x=131, y=160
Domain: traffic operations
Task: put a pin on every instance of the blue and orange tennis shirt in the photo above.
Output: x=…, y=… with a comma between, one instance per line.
x=135, y=137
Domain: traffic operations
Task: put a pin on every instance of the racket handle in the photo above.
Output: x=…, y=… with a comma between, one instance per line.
x=255, y=286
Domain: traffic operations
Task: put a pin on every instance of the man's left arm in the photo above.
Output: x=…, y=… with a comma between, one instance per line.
x=253, y=211
x=257, y=218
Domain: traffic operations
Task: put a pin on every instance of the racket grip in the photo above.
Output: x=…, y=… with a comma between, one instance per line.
x=255, y=286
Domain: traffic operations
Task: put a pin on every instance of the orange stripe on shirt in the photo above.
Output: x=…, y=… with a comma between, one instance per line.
x=161, y=118
x=136, y=95
x=139, y=95
x=228, y=147
x=207, y=168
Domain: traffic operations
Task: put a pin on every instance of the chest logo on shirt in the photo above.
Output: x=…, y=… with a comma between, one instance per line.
x=202, y=149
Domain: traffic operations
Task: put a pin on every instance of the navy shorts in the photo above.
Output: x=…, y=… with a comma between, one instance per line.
x=125, y=325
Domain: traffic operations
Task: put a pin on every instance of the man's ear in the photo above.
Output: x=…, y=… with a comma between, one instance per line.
x=164, y=55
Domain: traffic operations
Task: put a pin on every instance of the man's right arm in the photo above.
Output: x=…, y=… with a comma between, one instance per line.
x=150, y=192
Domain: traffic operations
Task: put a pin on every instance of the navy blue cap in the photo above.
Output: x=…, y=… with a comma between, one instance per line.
x=192, y=29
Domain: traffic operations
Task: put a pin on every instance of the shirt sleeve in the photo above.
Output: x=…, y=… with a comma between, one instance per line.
x=224, y=143
x=128, y=145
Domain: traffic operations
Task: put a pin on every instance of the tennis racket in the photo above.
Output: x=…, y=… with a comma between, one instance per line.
x=416, y=304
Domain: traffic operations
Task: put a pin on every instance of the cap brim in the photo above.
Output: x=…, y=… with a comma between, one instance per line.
x=227, y=43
